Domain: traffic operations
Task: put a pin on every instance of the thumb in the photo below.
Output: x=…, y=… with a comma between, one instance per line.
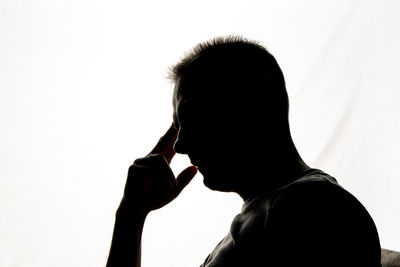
x=185, y=177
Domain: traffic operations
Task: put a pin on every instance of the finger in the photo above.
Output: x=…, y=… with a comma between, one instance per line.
x=158, y=165
x=169, y=154
x=168, y=173
x=166, y=142
x=185, y=177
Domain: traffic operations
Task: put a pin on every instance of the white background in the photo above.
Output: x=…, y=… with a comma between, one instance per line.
x=83, y=93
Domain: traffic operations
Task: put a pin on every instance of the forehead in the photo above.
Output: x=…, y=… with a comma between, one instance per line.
x=178, y=99
x=176, y=93
x=183, y=83
x=185, y=90
x=179, y=103
x=188, y=99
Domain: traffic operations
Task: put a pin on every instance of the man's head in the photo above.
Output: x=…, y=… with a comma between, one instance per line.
x=231, y=110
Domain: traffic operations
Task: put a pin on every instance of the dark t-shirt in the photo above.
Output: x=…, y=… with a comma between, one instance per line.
x=312, y=221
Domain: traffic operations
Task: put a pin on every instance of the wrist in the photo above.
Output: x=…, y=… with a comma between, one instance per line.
x=131, y=213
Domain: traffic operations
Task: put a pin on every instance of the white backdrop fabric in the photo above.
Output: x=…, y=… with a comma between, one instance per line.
x=83, y=93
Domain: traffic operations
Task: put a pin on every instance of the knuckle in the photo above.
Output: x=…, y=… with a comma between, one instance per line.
x=132, y=169
x=138, y=161
x=156, y=159
x=145, y=160
x=154, y=155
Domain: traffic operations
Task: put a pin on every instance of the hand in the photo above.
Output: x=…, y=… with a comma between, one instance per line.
x=151, y=184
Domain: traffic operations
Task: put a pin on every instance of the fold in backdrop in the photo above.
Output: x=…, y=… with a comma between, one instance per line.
x=83, y=93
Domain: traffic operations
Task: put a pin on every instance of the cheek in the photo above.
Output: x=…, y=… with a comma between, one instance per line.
x=213, y=135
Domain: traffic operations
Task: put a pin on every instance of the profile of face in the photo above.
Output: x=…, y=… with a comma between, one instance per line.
x=231, y=112
x=215, y=137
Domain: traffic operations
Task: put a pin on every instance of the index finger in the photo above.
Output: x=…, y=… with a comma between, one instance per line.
x=166, y=142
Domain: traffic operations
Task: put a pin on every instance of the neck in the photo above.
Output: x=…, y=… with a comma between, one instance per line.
x=284, y=169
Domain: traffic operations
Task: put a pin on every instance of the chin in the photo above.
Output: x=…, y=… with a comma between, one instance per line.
x=216, y=183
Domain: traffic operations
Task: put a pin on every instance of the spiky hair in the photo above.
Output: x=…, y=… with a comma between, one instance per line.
x=234, y=66
x=206, y=47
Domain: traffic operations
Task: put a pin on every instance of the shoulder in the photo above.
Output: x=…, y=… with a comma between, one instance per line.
x=318, y=200
x=316, y=215
x=316, y=190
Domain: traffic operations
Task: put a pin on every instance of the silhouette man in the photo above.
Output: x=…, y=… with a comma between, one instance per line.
x=230, y=117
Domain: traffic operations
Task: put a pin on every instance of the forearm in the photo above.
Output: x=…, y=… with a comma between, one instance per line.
x=126, y=241
x=150, y=185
